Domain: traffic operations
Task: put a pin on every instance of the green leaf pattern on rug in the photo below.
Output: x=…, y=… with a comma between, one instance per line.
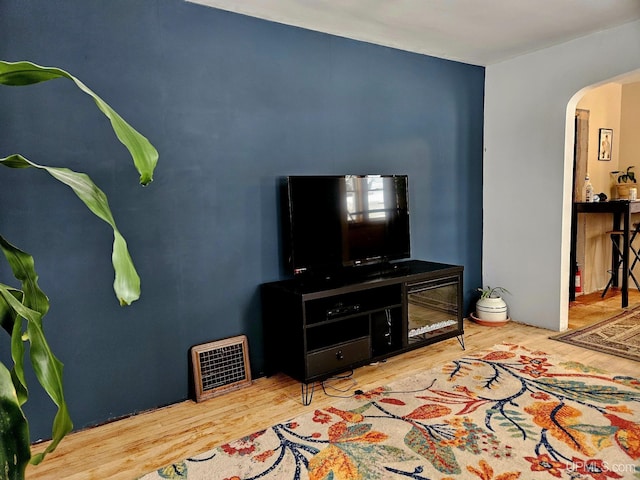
x=581, y=367
x=345, y=461
x=441, y=457
x=581, y=391
x=177, y=471
x=515, y=423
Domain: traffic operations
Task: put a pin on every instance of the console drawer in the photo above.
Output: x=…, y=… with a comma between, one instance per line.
x=338, y=356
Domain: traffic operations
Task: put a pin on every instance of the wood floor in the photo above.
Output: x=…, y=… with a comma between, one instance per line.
x=591, y=308
x=129, y=448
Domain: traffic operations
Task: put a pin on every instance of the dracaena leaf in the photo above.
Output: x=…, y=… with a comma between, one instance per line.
x=12, y=323
x=14, y=430
x=7, y=314
x=48, y=370
x=145, y=156
x=47, y=367
x=23, y=268
x=127, y=282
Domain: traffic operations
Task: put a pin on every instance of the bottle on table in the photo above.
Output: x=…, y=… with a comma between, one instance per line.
x=587, y=190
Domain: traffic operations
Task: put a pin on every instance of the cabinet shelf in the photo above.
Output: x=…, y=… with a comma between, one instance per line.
x=316, y=329
x=329, y=321
x=331, y=333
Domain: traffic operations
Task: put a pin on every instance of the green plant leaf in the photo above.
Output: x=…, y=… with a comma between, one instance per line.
x=127, y=282
x=47, y=367
x=145, y=156
x=23, y=268
x=14, y=431
x=12, y=323
x=7, y=315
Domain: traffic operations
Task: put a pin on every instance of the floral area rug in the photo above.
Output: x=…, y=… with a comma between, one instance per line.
x=502, y=414
x=619, y=335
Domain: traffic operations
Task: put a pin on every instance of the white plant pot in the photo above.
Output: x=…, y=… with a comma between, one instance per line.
x=492, y=308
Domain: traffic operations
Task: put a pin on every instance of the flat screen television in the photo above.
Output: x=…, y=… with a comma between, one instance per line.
x=333, y=222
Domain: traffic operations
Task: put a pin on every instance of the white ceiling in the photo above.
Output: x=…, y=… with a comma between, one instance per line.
x=479, y=32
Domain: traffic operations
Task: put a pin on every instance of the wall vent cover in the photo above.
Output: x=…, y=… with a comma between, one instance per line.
x=220, y=366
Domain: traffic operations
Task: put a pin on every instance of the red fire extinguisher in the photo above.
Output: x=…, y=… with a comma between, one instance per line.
x=578, y=279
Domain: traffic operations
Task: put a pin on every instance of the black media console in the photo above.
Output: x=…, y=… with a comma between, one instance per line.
x=316, y=328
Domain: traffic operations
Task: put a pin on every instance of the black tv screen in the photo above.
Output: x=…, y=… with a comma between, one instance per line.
x=338, y=221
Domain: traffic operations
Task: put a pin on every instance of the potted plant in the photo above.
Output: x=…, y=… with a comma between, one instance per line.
x=624, y=180
x=491, y=309
x=23, y=307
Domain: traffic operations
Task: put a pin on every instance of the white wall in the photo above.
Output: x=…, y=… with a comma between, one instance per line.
x=529, y=107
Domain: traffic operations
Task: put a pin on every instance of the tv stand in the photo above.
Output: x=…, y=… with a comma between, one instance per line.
x=314, y=329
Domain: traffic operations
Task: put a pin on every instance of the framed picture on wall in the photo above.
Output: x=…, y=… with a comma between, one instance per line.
x=605, y=143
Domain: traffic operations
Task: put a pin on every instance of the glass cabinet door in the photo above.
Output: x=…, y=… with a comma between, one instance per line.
x=433, y=309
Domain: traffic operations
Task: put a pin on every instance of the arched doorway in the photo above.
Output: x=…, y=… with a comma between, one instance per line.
x=608, y=104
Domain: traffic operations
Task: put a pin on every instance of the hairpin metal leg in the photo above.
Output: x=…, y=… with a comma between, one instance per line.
x=461, y=341
x=307, y=392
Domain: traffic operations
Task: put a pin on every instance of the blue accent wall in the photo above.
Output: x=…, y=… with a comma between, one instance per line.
x=232, y=103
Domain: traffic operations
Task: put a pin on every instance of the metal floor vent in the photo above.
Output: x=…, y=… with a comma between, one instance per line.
x=220, y=366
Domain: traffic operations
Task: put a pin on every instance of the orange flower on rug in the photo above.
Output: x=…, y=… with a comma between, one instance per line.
x=499, y=415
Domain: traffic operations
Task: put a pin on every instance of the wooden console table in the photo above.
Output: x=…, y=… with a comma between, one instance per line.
x=621, y=211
